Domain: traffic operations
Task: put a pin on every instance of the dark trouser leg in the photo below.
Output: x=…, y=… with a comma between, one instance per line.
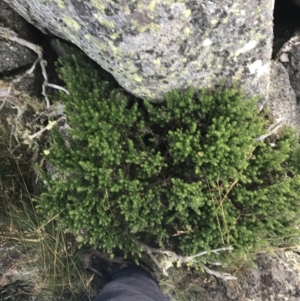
x=131, y=284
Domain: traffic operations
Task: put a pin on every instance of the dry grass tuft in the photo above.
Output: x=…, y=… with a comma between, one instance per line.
x=39, y=259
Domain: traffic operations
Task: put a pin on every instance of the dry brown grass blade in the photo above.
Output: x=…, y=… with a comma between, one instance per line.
x=41, y=246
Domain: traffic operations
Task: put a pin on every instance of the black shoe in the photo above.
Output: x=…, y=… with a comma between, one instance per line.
x=104, y=266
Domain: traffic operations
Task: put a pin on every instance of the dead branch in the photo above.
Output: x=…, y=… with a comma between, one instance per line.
x=272, y=129
x=171, y=258
x=50, y=125
x=8, y=34
x=21, y=239
x=223, y=276
x=149, y=251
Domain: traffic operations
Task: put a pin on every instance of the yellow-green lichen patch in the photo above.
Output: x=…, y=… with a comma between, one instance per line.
x=108, y=24
x=87, y=37
x=225, y=20
x=115, y=35
x=185, y=72
x=152, y=5
x=97, y=4
x=136, y=78
x=142, y=28
x=132, y=69
x=137, y=91
x=71, y=22
x=104, y=22
x=198, y=66
x=236, y=11
x=187, y=30
x=100, y=46
x=115, y=50
x=69, y=33
x=60, y=3
x=209, y=60
x=168, y=2
x=186, y=13
x=213, y=22
x=147, y=94
x=125, y=9
x=260, y=37
x=157, y=61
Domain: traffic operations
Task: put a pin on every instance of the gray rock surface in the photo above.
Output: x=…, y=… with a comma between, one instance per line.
x=11, y=267
x=152, y=47
x=289, y=56
x=282, y=98
x=12, y=55
x=276, y=278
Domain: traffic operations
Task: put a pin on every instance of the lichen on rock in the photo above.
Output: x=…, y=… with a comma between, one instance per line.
x=152, y=47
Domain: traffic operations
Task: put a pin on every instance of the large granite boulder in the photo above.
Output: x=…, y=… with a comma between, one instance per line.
x=152, y=46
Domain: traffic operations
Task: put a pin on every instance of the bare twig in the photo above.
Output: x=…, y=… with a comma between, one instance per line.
x=21, y=239
x=272, y=129
x=191, y=258
x=12, y=36
x=50, y=125
x=184, y=259
x=28, y=72
x=172, y=258
x=59, y=88
x=227, y=192
x=149, y=251
x=178, y=233
x=223, y=276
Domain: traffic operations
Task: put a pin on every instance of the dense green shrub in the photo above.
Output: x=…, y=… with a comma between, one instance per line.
x=187, y=174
